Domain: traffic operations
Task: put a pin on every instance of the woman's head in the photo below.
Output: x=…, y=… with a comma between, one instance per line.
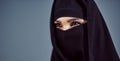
x=80, y=42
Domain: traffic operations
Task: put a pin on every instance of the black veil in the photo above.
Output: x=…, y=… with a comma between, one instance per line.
x=98, y=40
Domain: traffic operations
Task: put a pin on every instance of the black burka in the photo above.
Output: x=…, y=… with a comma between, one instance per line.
x=87, y=42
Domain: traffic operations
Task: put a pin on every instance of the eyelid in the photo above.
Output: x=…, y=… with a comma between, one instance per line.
x=57, y=22
x=58, y=25
x=71, y=20
x=82, y=21
x=76, y=21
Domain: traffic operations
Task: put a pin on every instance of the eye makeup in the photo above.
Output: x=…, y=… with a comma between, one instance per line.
x=68, y=23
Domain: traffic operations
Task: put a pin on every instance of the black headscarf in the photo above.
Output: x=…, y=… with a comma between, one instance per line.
x=88, y=42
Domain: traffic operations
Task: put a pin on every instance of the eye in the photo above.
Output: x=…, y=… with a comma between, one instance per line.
x=58, y=25
x=74, y=23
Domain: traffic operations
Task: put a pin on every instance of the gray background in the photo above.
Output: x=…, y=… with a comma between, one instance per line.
x=24, y=28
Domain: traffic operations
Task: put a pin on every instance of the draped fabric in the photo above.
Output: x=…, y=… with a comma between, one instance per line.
x=96, y=44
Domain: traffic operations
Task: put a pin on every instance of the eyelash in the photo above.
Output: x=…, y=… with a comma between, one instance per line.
x=58, y=25
x=73, y=24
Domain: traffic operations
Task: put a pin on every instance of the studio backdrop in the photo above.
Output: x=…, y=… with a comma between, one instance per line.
x=25, y=30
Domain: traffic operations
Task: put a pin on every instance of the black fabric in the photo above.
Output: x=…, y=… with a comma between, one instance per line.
x=64, y=8
x=70, y=43
x=88, y=42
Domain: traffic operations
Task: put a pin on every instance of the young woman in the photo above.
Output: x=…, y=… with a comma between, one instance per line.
x=79, y=33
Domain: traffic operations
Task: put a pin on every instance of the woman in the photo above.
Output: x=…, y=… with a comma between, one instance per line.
x=79, y=33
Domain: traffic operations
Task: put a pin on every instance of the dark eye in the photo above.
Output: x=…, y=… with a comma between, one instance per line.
x=58, y=25
x=75, y=23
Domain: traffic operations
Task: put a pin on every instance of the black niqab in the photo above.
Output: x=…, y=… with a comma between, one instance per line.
x=70, y=43
x=88, y=42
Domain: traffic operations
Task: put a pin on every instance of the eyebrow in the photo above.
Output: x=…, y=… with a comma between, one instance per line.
x=70, y=20
x=57, y=22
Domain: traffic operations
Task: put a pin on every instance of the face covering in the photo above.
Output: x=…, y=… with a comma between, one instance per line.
x=71, y=42
x=91, y=42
